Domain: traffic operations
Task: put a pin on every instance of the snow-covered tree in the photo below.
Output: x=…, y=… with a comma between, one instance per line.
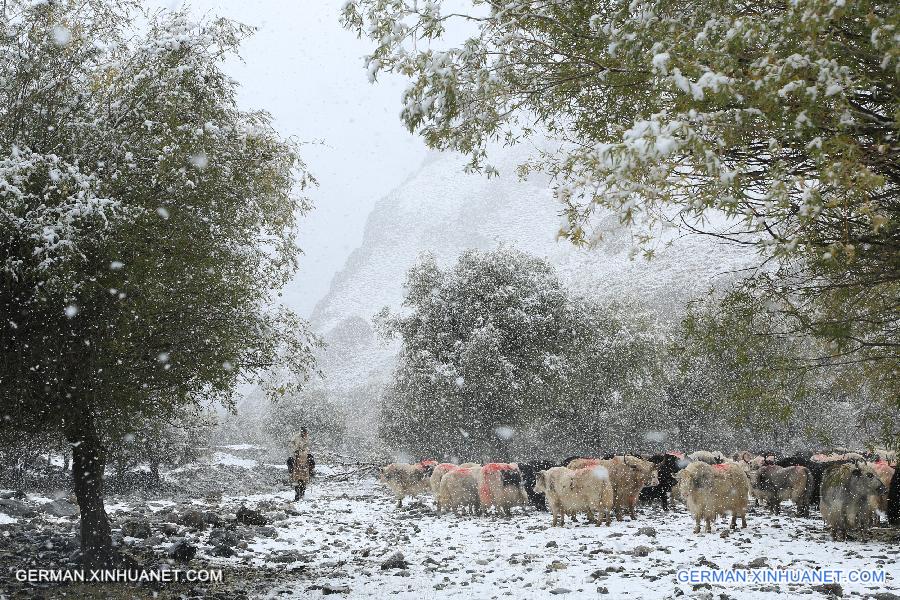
x=772, y=124
x=499, y=359
x=145, y=225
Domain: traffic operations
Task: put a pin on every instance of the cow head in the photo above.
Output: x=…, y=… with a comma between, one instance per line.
x=864, y=482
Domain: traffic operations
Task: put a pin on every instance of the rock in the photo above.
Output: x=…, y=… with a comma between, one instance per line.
x=248, y=516
x=394, y=561
x=169, y=528
x=758, y=563
x=641, y=551
x=15, y=508
x=212, y=518
x=885, y=596
x=602, y=590
x=226, y=537
x=193, y=519
x=560, y=590
x=330, y=588
x=60, y=508
x=288, y=556
x=830, y=589
x=182, y=551
x=552, y=544
x=136, y=528
x=222, y=551
x=647, y=531
x=557, y=565
x=267, y=531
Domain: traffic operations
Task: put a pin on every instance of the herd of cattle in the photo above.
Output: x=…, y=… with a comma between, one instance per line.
x=849, y=488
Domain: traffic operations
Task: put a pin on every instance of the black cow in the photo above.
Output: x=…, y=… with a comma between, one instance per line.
x=816, y=468
x=893, y=504
x=565, y=462
x=669, y=465
x=529, y=473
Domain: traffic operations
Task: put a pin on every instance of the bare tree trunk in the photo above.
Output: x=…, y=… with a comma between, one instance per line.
x=88, y=465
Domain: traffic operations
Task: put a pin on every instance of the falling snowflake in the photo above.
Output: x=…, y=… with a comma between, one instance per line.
x=61, y=35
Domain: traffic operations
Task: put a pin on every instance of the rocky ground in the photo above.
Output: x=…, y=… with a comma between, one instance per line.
x=347, y=538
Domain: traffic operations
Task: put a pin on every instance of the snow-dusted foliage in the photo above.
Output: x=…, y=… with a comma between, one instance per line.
x=499, y=359
x=135, y=198
x=769, y=114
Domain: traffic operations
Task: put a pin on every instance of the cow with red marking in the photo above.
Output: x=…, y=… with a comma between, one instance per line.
x=458, y=490
x=500, y=486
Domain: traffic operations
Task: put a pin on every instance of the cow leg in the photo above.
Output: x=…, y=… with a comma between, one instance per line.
x=744, y=521
x=709, y=525
x=697, y=526
x=618, y=513
x=665, y=501
x=733, y=521
x=400, y=502
x=608, y=515
x=590, y=516
x=631, y=512
x=562, y=518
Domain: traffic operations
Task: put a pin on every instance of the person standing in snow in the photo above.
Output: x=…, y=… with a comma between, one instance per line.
x=298, y=464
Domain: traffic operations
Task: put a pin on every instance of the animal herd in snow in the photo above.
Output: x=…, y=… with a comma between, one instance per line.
x=849, y=488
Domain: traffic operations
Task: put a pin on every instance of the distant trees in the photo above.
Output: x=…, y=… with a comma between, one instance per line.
x=768, y=124
x=497, y=353
x=311, y=408
x=500, y=361
x=145, y=223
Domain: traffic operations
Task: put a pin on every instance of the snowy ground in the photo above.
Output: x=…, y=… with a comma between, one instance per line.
x=346, y=530
x=336, y=539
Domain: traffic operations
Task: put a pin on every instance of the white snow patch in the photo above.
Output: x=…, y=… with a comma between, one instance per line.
x=223, y=458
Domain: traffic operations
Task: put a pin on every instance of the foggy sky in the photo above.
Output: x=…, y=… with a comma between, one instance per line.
x=308, y=73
